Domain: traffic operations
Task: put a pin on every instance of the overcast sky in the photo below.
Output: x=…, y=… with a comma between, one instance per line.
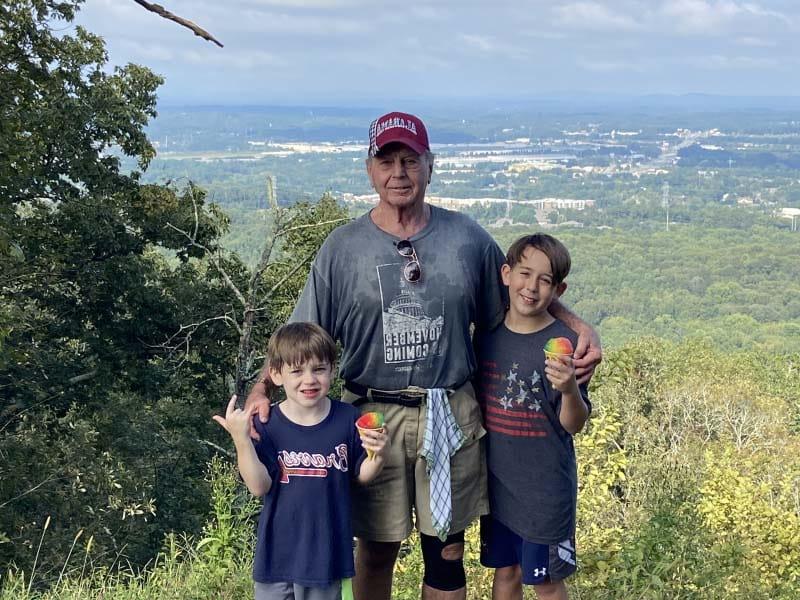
x=325, y=52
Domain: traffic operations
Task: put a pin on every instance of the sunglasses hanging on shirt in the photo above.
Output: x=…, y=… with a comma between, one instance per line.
x=412, y=270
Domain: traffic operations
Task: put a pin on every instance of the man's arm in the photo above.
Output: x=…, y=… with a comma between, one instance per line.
x=259, y=398
x=310, y=307
x=588, y=352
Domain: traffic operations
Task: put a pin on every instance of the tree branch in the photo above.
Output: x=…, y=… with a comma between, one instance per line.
x=309, y=225
x=285, y=278
x=216, y=261
x=163, y=12
x=31, y=490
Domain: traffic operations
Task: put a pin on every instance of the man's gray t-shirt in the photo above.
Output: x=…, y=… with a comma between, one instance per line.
x=533, y=480
x=394, y=333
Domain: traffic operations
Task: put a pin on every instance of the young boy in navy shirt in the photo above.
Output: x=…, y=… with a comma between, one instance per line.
x=532, y=407
x=303, y=465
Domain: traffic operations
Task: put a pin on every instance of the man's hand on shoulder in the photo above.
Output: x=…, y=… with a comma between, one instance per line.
x=588, y=353
x=258, y=399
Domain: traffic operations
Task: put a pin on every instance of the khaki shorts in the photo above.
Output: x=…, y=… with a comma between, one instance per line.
x=384, y=509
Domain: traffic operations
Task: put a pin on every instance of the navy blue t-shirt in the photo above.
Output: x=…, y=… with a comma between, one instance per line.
x=304, y=532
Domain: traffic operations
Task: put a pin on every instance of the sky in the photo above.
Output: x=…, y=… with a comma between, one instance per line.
x=353, y=52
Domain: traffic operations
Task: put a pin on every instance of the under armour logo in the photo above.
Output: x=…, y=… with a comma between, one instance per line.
x=537, y=572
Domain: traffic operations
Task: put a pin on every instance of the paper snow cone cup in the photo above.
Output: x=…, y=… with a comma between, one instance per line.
x=371, y=421
x=556, y=356
x=558, y=348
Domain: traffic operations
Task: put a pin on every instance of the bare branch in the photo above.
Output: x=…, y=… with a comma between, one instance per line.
x=191, y=328
x=196, y=215
x=217, y=447
x=266, y=253
x=285, y=278
x=216, y=262
x=31, y=490
x=163, y=12
x=181, y=339
x=309, y=225
x=82, y=377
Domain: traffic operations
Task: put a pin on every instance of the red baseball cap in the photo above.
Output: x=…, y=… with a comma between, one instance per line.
x=398, y=127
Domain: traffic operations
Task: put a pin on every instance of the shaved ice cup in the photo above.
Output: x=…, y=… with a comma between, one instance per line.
x=558, y=349
x=556, y=356
x=371, y=421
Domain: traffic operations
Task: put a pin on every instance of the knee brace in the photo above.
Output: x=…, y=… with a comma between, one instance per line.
x=441, y=573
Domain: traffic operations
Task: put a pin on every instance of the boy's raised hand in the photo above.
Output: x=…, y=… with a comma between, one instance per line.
x=561, y=375
x=236, y=420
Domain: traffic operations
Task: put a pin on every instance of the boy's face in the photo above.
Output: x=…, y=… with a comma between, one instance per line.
x=530, y=284
x=307, y=384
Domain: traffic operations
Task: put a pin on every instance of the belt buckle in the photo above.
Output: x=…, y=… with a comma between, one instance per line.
x=414, y=396
x=414, y=392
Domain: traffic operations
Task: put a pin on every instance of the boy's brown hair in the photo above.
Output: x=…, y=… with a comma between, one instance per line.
x=297, y=343
x=557, y=252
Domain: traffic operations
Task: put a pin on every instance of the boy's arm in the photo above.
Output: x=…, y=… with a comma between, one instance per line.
x=237, y=423
x=574, y=411
x=252, y=470
x=370, y=467
x=588, y=352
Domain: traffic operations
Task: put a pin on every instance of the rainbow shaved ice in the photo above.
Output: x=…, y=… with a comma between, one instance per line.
x=558, y=347
x=371, y=421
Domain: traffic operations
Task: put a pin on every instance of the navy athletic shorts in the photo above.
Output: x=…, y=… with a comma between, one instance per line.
x=540, y=563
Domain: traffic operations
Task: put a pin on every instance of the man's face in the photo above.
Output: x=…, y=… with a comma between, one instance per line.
x=399, y=175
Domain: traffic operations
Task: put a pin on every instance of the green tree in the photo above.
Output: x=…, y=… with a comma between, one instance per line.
x=119, y=325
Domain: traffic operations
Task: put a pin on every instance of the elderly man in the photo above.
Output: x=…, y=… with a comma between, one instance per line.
x=400, y=288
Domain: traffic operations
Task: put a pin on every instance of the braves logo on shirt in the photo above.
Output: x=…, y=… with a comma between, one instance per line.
x=306, y=464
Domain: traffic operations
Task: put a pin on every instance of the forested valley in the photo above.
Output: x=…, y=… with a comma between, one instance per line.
x=135, y=297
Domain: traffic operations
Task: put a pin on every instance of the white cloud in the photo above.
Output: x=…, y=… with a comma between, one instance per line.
x=700, y=16
x=756, y=42
x=738, y=63
x=146, y=52
x=610, y=66
x=481, y=42
x=428, y=13
x=310, y=24
x=241, y=61
x=307, y=4
x=335, y=48
x=718, y=16
x=594, y=16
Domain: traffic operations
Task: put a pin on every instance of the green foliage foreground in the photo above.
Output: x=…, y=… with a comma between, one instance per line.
x=689, y=475
x=120, y=314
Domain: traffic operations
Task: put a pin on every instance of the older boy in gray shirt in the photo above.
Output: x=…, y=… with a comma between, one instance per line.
x=532, y=407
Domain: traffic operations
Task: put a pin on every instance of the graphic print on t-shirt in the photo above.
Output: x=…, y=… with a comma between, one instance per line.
x=512, y=400
x=305, y=464
x=410, y=332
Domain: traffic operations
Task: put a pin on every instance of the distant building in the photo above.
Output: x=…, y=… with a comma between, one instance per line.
x=557, y=203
